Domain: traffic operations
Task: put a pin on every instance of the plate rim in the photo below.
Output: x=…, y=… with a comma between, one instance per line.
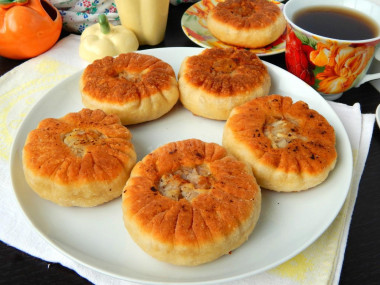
x=51, y=242
x=377, y=113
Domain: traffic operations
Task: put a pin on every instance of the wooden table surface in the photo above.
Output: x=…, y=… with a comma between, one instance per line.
x=362, y=257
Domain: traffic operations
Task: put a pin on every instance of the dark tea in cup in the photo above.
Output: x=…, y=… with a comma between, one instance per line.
x=336, y=22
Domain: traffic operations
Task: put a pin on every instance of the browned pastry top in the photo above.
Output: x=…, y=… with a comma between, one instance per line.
x=128, y=77
x=79, y=148
x=285, y=135
x=190, y=192
x=225, y=72
x=246, y=14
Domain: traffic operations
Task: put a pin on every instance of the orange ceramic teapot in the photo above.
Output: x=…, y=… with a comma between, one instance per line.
x=28, y=27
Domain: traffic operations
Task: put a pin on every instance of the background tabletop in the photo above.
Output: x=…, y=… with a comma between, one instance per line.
x=361, y=263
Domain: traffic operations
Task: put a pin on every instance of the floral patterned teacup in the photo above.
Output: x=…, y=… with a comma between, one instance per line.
x=331, y=66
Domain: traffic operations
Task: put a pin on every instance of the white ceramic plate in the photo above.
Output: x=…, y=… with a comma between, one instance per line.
x=378, y=115
x=96, y=237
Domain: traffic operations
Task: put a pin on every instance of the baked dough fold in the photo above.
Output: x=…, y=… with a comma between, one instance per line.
x=246, y=23
x=82, y=159
x=215, y=81
x=136, y=87
x=189, y=202
x=288, y=146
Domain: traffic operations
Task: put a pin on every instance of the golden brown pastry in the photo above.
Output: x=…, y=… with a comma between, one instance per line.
x=136, y=87
x=213, y=82
x=246, y=23
x=82, y=159
x=188, y=202
x=289, y=146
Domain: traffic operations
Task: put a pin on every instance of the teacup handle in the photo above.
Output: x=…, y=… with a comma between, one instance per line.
x=369, y=77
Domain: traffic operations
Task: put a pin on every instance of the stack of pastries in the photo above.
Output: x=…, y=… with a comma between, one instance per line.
x=246, y=23
x=187, y=202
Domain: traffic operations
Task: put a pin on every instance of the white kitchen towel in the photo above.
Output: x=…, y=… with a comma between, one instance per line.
x=21, y=87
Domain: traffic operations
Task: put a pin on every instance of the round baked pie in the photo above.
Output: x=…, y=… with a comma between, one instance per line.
x=213, y=82
x=136, y=87
x=289, y=146
x=189, y=202
x=246, y=23
x=82, y=159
